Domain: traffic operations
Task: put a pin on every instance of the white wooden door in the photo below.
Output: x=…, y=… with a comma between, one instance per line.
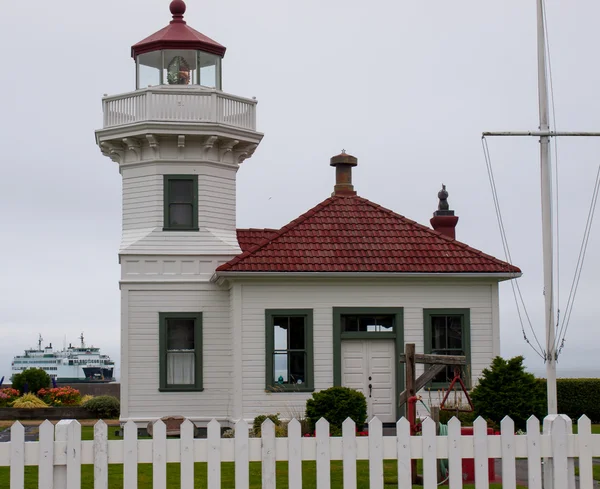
x=369, y=367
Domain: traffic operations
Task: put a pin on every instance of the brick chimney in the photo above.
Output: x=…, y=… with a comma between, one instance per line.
x=443, y=219
x=343, y=174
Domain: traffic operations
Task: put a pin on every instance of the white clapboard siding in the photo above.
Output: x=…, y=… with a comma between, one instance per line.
x=141, y=356
x=319, y=297
x=63, y=470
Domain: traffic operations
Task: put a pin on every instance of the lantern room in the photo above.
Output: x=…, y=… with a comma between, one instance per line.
x=178, y=55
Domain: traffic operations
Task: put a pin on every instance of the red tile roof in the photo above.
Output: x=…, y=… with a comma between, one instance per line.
x=249, y=238
x=353, y=234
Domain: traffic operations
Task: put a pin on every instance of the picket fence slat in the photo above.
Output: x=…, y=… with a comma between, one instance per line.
x=159, y=455
x=323, y=455
x=454, y=455
x=559, y=452
x=242, y=468
x=584, y=430
x=186, y=455
x=375, y=454
x=349, y=453
x=130, y=454
x=534, y=453
x=403, y=453
x=59, y=453
x=480, y=447
x=46, y=455
x=294, y=454
x=17, y=456
x=214, y=454
x=100, y=455
x=509, y=468
x=268, y=454
x=429, y=454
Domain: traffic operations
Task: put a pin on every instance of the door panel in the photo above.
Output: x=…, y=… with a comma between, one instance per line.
x=371, y=362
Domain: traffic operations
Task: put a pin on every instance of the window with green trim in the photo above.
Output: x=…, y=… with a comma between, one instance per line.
x=289, y=349
x=180, y=344
x=448, y=332
x=181, y=202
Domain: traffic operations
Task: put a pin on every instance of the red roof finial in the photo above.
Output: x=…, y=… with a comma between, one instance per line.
x=177, y=8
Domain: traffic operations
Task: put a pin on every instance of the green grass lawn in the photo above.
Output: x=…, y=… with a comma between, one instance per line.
x=228, y=475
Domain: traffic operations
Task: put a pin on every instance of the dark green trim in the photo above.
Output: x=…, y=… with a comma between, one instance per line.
x=466, y=332
x=397, y=335
x=309, y=385
x=166, y=199
x=162, y=347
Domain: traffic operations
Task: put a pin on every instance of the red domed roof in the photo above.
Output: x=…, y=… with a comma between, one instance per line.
x=177, y=35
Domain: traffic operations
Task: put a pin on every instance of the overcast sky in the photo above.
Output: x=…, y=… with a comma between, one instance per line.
x=407, y=87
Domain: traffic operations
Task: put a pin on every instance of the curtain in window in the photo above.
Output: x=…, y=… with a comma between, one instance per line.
x=181, y=367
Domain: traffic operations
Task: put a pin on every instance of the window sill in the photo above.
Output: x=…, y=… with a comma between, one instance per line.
x=286, y=389
x=181, y=229
x=180, y=389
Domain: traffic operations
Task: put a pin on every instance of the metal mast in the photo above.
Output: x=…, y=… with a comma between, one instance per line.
x=547, y=221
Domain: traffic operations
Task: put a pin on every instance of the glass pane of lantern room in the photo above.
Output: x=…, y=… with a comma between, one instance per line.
x=148, y=69
x=180, y=67
x=210, y=70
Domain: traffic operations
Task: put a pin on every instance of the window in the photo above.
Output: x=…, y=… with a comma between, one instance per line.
x=289, y=349
x=181, y=202
x=447, y=332
x=180, y=351
x=367, y=323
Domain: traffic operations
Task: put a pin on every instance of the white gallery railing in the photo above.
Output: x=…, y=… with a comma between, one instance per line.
x=60, y=453
x=184, y=105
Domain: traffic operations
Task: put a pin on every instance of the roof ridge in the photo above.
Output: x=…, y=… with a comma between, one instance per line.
x=288, y=227
x=433, y=231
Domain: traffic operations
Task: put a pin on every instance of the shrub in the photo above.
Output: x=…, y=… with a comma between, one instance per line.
x=8, y=395
x=35, y=378
x=60, y=396
x=260, y=419
x=506, y=389
x=335, y=405
x=29, y=401
x=104, y=406
x=86, y=398
x=577, y=397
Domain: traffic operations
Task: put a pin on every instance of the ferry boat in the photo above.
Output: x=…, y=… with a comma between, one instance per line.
x=70, y=365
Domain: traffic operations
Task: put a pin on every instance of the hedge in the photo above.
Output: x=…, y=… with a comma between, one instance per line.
x=577, y=397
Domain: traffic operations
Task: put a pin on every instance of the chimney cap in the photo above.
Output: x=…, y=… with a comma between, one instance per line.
x=443, y=206
x=344, y=159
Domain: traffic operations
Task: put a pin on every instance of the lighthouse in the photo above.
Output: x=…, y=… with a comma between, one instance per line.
x=178, y=140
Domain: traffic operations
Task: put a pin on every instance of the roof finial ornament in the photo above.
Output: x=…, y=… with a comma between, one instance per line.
x=443, y=196
x=177, y=8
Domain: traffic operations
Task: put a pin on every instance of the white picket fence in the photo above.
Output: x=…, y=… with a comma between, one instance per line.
x=59, y=453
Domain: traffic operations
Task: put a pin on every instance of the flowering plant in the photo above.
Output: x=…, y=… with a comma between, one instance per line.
x=60, y=396
x=8, y=395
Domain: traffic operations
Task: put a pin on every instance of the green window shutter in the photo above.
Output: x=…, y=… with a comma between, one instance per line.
x=438, y=342
x=289, y=350
x=180, y=351
x=180, y=194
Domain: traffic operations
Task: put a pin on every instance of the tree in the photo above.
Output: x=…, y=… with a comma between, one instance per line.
x=35, y=378
x=506, y=389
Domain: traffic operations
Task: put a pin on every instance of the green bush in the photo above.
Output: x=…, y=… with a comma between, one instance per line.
x=466, y=419
x=577, y=397
x=335, y=405
x=260, y=419
x=35, y=378
x=103, y=406
x=506, y=389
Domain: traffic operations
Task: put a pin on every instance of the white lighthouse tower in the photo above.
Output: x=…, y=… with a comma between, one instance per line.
x=178, y=140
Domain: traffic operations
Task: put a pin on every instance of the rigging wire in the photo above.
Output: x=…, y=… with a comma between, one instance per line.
x=553, y=106
x=579, y=267
x=514, y=283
